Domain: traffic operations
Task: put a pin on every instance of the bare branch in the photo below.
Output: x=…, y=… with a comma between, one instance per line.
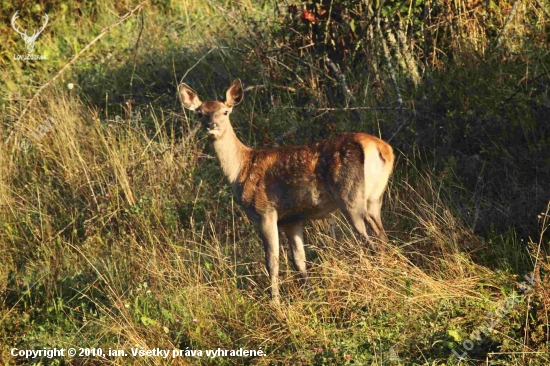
x=342, y=79
x=347, y=108
x=508, y=21
x=252, y=87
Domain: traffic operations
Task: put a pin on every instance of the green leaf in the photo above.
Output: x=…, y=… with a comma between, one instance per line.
x=147, y=321
x=167, y=314
x=454, y=333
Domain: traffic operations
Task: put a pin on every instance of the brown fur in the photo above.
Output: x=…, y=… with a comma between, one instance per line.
x=282, y=187
x=305, y=182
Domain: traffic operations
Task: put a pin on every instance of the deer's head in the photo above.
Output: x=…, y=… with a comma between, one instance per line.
x=215, y=114
x=29, y=40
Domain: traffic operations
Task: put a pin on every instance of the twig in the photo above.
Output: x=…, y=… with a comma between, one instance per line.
x=393, y=78
x=73, y=60
x=346, y=109
x=341, y=79
x=252, y=87
x=286, y=67
x=135, y=54
x=407, y=55
x=198, y=62
x=344, y=85
x=388, y=62
x=398, y=129
x=518, y=88
x=508, y=21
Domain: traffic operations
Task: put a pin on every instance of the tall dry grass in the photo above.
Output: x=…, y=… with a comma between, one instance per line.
x=121, y=232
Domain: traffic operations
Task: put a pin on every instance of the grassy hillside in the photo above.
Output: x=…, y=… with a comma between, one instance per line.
x=118, y=230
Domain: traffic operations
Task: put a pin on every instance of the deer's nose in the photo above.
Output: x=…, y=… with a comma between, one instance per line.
x=209, y=124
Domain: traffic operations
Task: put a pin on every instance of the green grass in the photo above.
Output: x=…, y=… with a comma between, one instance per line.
x=118, y=229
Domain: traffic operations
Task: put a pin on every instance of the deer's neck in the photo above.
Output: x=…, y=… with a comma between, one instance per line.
x=232, y=154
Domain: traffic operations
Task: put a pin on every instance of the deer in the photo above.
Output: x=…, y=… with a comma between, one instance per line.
x=29, y=40
x=280, y=188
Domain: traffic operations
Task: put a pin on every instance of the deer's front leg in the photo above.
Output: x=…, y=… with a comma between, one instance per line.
x=295, y=236
x=270, y=238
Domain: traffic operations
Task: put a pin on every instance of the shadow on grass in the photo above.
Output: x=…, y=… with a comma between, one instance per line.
x=488, y=136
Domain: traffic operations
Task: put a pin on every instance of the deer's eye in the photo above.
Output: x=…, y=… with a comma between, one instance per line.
x=225, y=113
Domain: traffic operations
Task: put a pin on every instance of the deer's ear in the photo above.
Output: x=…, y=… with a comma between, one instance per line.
x=188, y=97
x=234, y=94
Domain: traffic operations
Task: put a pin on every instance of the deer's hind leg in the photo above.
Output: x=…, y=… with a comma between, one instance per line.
x=363, y=214
x=353, y=204
x=374, y=218
x=375, y=184
x=361, y=201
